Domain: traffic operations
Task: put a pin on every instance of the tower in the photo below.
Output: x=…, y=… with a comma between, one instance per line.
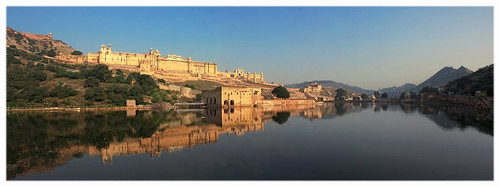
x=50, y=36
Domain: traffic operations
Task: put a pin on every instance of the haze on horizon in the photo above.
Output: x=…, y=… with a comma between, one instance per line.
x=369, y=47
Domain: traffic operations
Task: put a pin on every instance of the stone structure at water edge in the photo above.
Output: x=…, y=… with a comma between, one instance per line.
x=226, y=96
x=231, y=96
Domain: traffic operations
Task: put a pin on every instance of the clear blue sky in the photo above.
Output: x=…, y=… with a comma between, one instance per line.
x=370, y=47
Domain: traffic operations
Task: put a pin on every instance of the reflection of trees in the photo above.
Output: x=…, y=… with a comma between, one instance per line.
x=459, y=117
x=408, y=107
x=281, y=117
x=341, y=108
x=33, y=138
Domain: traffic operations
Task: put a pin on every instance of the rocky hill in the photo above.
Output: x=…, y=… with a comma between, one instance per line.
x=36, y=43
x=442, y=77
x=481, y=80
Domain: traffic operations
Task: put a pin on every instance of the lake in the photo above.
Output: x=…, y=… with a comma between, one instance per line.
x=332, y=142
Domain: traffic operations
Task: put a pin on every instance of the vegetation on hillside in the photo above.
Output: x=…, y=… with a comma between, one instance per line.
x=34, y=82
x=481, y=80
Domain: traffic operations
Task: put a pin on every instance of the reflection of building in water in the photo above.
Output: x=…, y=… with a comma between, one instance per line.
x=186, y=132
x=236, y=120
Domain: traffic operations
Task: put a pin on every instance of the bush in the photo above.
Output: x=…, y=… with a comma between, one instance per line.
x=161, y=81
x=62, y=92
x=51, y=53
x=91, y=82
x=281, y=92
x=76, y=53
x=36, y=75
x=99, y=71
x=189, y=86
x=97, y=94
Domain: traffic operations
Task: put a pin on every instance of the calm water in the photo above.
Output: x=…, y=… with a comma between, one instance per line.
x=332, y=142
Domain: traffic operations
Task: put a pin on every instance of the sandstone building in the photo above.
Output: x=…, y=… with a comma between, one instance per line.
x=231, y=97
x=153, y=61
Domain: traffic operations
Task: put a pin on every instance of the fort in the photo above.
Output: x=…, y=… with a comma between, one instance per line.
x=154, y=63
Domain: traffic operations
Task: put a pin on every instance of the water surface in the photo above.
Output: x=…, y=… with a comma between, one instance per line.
x=331, y=142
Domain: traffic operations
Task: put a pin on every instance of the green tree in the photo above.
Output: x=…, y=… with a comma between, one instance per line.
x=119, y=72
x=91, y=82
x=62, y=92
x=51, y=53
x=147, y=83
x=132, y=76
x=36, y=76
x=99, y=71
x=376, y=94
x=162, y=81
x=364, y=96
x=76, y=53
x=159, y=96
x=281, y=92
x=384, y=95
x=40, y=67
x=189, y=86
x=429, y=89
x=340, y=92
x=97, y=94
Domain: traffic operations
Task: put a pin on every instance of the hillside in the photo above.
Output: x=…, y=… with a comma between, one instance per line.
x=396, y=91
x=36, y=43
x=481, y=80
x=332, y=84
x=442, y=77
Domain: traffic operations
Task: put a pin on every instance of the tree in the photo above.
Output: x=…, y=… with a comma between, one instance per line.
x=62, y=92
x=189, y=86
x=91, y=82
x=147, y=83
x=162, y=81
x=99, y=71
x=384, y=95
x=76, y=53
x=159, y=96
x=364, y=96
x=429, y=89
x=40, y=66
x=36, y=75
x=340, y=92
x=376, y=94
x=132, y=76
x=95, y=94
x=281, y=92
x=119, y=72
x=51, y=53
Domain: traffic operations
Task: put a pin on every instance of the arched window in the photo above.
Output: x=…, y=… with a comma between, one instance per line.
x=232, y=102
x=215, y=100
x=226, y=102
x=207, y=101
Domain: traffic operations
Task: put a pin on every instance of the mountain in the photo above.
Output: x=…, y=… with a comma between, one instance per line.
x=331, y=84
x=442, y=77
x=396, y=91
x=36, y=43
x=481, y=80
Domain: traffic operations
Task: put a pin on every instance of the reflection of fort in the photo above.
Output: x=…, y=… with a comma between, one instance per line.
x=174, y=131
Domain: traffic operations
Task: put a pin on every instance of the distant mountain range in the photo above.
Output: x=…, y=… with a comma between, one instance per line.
x=439, y=79
x=331, y=84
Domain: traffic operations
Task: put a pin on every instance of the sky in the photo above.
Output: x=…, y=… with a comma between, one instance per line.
x=369, y=47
